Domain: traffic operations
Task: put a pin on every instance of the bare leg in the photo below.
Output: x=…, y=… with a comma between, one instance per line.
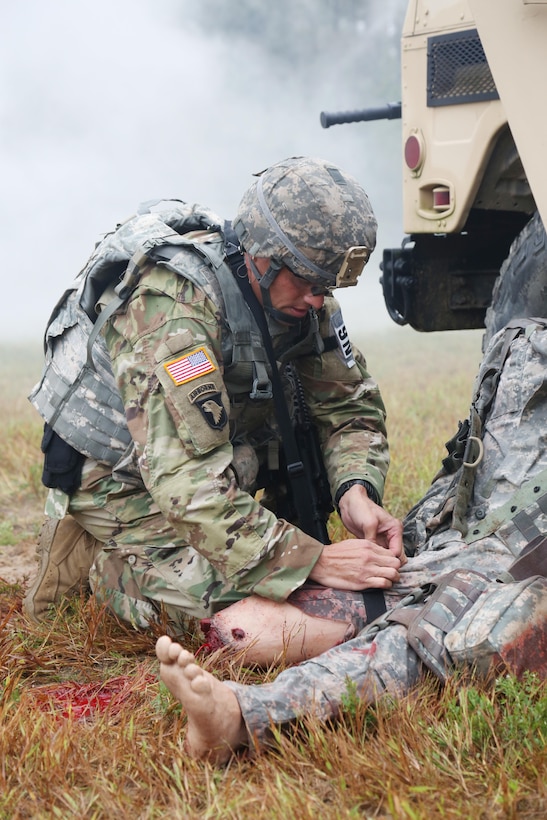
x=312, y=620
x=215, y=725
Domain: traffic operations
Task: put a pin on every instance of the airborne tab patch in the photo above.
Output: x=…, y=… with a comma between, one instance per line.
x=190, y=366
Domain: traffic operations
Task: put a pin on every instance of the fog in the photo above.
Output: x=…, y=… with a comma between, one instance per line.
x=107, y=103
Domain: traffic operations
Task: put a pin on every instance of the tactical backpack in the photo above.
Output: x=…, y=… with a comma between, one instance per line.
x=77, y=395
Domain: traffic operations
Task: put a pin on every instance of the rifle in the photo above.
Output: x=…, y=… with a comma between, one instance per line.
x=309, y=499
x=314, y=518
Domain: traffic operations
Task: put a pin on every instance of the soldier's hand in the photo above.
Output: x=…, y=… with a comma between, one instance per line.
x=365, y=519
x=356, y=564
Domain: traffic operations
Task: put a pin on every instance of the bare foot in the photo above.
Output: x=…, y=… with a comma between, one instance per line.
x=215, y=724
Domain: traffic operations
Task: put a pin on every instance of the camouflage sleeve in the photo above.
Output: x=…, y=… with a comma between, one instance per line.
x=347, y=406
x=166, y=356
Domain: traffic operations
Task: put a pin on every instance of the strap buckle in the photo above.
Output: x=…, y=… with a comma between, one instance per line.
x=261, y=391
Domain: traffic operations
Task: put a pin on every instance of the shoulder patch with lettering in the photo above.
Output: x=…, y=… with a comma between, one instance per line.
x=342, y=337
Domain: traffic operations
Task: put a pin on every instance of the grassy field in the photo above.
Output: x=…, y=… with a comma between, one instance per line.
x=88, y=731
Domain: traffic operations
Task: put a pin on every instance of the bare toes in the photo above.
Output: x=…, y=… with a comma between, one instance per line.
x=174, y=651
x=201, y=685
x=193, y=671
x=185, y=658
x=163, y=645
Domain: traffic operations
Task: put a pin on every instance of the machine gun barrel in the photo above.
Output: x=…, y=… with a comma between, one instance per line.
x=389, y=111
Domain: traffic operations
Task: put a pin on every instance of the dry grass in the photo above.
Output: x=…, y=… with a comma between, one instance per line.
x=88, y=731
x=21, y=491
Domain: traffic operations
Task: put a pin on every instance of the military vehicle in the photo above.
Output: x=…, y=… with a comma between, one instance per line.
x=474, y=159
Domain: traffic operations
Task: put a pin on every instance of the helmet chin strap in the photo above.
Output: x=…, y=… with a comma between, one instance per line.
x=265, y=280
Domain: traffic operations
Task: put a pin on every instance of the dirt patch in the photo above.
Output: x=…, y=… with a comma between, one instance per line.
x=18, y=562
x=18, y=540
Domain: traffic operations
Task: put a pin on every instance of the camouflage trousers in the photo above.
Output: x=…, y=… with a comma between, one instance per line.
x=144, y=574
x=317, y=687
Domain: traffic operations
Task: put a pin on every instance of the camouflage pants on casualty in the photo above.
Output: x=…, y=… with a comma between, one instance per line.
x=515, y=457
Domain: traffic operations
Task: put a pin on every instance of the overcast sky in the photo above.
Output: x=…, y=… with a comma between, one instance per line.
x=107, y=103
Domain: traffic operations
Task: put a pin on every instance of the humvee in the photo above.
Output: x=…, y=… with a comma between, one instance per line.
x=474, y=165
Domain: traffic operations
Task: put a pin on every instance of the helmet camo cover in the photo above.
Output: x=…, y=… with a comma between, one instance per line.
x=312, y=217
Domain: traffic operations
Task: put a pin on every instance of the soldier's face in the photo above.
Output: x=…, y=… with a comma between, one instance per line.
x=288, y=293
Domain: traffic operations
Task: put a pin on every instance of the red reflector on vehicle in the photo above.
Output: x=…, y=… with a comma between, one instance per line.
x=441, y=198
x=413, y=152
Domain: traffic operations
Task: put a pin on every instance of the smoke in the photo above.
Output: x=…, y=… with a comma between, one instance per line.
x=107, y=103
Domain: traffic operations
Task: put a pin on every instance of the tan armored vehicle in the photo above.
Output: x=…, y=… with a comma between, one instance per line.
x=474, y=125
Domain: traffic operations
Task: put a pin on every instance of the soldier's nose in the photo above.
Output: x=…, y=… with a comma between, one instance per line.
x=314, y=300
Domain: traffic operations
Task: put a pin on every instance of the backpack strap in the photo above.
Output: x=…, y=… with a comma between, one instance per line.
x=247, y=343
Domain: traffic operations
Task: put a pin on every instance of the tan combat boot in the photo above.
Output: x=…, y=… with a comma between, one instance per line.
x=65, y=552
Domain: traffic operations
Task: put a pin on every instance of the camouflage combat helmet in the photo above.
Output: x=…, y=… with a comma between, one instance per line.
x=308, y=215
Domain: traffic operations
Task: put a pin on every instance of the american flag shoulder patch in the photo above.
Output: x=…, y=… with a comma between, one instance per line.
x=190, y=366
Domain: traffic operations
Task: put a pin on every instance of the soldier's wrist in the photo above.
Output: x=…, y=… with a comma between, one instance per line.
x=343, y=488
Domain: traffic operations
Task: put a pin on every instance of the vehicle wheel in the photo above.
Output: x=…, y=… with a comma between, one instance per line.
x=521, y=288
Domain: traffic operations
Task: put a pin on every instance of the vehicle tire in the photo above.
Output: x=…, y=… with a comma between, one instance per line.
x=521, y=288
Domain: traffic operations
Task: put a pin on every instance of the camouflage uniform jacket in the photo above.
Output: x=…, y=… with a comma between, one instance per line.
x=198, y=438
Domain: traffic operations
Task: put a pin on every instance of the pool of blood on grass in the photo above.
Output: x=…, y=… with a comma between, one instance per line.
x=83, y=700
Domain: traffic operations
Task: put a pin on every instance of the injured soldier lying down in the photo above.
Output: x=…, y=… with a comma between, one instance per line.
x=473, y=593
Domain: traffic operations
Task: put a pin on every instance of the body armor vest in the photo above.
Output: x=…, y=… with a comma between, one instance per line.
x=77, y=394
